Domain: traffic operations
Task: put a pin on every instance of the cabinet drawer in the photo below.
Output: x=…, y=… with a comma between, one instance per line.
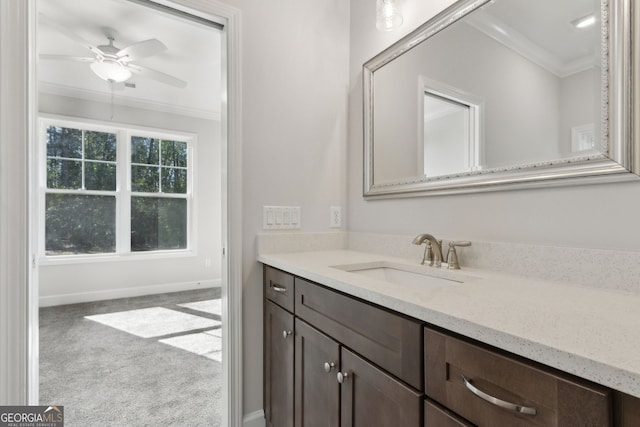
x=558, y=401
x=435, y=416
x=389, y=340
x=278, y=287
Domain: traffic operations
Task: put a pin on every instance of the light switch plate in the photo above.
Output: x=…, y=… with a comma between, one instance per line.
x=280, y=217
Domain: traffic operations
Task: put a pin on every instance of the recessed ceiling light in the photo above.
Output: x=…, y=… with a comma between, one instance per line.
x=585, y=21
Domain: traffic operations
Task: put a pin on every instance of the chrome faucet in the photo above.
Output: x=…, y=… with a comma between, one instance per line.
x=433, y=245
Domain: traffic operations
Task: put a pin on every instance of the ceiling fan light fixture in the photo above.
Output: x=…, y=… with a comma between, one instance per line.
x=110, y=71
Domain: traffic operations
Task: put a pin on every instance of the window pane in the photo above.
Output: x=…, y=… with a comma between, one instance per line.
x=80, y=224
x=158, y=223
x=64, y=174
x=100, y=176
x=64, y=142
x=174, y=153
x=145, y=179
x=145, y=150
x=174, y=180
x=100, y=146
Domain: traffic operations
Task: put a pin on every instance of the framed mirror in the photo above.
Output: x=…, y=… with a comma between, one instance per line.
x=503, y=94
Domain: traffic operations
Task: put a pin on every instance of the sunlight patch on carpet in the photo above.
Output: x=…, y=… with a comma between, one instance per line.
x=206, y=345
x=211, y=306
x=215, y=332
x=153, y=322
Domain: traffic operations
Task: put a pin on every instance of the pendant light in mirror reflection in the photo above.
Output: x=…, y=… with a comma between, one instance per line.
x=388, y=17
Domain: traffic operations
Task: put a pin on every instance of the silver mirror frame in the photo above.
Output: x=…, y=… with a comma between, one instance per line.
x=620, y=160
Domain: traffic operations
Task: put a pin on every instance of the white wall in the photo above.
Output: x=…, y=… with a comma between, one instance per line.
x=595, y=216
x=579, y=102
x=520, y=105
x=65, y=283
x=295, y=88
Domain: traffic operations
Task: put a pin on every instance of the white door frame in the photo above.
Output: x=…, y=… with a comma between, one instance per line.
x=19, y=360
x=15, y=336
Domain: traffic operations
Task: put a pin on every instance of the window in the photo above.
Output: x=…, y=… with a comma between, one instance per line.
x=158, y=199
x=114, y=190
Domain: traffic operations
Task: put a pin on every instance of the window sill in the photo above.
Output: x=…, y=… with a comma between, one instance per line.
x=107, y=258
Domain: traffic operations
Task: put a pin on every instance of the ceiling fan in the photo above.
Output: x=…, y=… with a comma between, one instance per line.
x=113, y=64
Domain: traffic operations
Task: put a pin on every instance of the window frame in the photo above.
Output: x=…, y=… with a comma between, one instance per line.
x=123, y=192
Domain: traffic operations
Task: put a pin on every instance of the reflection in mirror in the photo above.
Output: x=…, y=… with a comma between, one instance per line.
x=451, y=131
x=500, y=85
x=446, y=135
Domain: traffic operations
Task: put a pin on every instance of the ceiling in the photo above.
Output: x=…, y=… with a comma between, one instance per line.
x=193, y=54
x=541, y=30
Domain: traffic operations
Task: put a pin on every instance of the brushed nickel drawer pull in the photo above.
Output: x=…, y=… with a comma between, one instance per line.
x=277, y=288
x=498, y=402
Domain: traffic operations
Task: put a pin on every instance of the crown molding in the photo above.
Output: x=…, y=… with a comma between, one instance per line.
x=126, y=101
x=515, y=40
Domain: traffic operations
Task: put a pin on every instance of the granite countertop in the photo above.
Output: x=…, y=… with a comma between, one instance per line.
x=589, y=332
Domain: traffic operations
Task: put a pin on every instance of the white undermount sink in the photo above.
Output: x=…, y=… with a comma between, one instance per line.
x=406, y=275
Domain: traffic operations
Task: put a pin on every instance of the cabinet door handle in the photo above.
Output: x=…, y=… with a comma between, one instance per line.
x=342, y=376
x=285, y=334
x=329, y=366
x=277, y=288
x=498, y=402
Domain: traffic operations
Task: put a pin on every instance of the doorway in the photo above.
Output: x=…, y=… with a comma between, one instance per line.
x=113, y=110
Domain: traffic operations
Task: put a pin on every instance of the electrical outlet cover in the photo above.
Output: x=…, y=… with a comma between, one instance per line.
x=335, y=220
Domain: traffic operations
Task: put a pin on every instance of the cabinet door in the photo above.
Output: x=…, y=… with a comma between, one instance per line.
x=372, y=398
x=278, y=366
x=627, y=410
x=317, y=392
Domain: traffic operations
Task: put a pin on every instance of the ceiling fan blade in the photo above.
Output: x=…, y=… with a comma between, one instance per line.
x=70, y=34
x=66, y=58
x=157, y=75
x=141, y=50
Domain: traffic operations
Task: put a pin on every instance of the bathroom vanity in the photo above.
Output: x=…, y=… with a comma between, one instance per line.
x=472, y=348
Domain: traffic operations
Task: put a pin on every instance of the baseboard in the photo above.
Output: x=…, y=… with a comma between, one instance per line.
x=52, y=300
x=254, y=419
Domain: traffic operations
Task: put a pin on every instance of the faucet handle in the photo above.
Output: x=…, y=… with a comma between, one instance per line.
x=452, y=255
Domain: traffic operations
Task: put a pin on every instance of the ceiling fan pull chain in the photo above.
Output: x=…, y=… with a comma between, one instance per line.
x=111, y=86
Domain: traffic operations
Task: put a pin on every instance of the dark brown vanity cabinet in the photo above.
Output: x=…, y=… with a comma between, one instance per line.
x=278, y=348
x=490, y=388
x=355, y=363
x=336, y=361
